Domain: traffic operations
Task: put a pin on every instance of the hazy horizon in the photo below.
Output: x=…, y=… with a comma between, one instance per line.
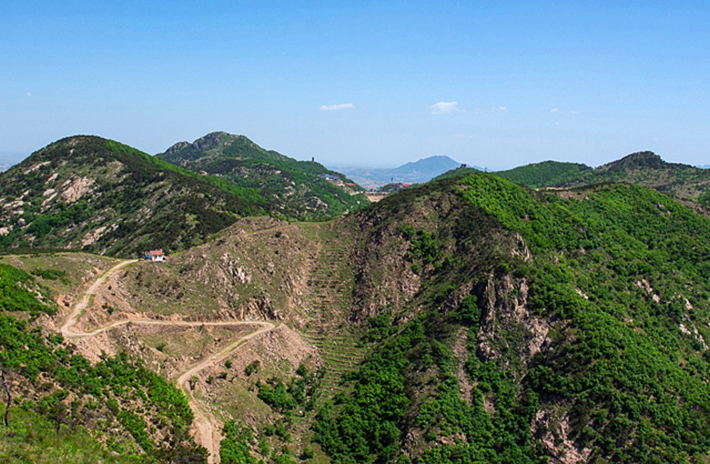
x=356, y=83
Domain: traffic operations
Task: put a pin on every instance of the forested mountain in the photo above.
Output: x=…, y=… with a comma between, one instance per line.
x=468, y=320
x=299, y=189
x=90, y=193
x=680, y=181
x=515, y=326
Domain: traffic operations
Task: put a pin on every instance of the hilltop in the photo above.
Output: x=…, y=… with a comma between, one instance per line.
x=90, y=193
x=299, y=189
x=646, y=168
x=546, y=174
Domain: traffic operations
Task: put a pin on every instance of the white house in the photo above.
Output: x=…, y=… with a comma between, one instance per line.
x=155, y=255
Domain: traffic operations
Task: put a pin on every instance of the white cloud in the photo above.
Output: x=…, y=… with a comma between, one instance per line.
x=502, y=108
x=554, y=110
x=339, y=106
x=28, y=94
x=444, y=107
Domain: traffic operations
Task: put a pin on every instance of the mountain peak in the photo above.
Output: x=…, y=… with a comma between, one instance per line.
x=412, y=172
x=302, y=188
x=436, y=163
x=638, y=160
x=207, y=142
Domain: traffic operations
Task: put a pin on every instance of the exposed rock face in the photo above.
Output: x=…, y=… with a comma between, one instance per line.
x=259, y=308
x=74, y=189
x=177, y=147
x=505, y=305
x=553, y=432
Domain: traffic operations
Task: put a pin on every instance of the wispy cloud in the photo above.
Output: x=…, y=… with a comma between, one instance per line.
x=339, y=106
x=559, y=111
x=28, y=94
x=444, y=107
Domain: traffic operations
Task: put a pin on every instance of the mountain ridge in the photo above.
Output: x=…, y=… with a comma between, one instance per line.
x=300, y=189
x=681, y=181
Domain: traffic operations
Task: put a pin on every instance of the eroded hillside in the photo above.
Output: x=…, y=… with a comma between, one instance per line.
x=63, y=406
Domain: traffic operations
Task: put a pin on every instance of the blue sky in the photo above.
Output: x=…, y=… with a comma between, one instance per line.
x=493, y=84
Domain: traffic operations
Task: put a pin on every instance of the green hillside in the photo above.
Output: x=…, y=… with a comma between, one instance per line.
x=101, y=196
x=299, y=189
x=65, y=409
x=680, y=181
x=544, y=326
x=545, y=174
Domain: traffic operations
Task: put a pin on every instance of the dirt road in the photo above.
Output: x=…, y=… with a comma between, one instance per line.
x=67, y=329
x=206, y=425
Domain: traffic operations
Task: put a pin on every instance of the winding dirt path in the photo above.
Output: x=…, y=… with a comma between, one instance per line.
x=67, y=329
x=206, y=425
x=207, y=434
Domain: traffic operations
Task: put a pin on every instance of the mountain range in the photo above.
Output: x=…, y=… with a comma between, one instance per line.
x=89, y=193
x=646, y=168
x=470, y=319
x=681, y=181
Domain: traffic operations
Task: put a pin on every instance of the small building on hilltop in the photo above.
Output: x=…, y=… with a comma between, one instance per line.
x=155, y=255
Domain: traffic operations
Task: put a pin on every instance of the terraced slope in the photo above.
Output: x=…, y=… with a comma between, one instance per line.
x=331, y=285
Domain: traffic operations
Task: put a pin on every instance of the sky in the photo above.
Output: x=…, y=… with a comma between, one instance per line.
x=492, y=84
